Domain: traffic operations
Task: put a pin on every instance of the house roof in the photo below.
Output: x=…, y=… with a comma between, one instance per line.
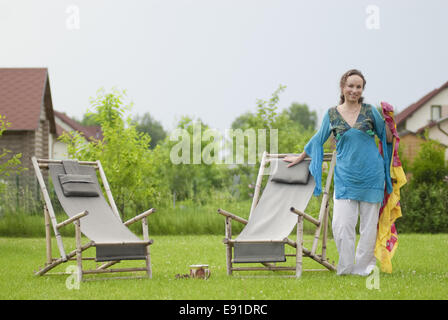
x=89, y=132
x=23, y=91
x=417, y=105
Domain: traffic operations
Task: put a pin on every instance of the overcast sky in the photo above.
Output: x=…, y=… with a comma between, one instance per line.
x=212, y=59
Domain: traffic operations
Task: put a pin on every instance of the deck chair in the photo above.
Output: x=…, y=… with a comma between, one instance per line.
x=274, y=215
x=79, y=193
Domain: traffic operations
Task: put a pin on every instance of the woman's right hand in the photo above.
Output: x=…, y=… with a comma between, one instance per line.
x=294, y=159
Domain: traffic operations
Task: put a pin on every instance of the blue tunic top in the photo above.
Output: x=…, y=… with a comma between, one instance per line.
x=361, y=172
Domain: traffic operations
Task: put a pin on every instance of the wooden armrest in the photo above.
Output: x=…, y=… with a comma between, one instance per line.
x=327, y=156
x=232, y=216
x=255, y=241
x=72, y=219
x=306, y=216
x=146, y=243
x=139, y=217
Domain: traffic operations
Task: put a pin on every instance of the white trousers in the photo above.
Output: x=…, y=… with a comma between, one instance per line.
x=345, y=218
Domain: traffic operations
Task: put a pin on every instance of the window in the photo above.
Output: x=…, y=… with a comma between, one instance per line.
x=436, y=113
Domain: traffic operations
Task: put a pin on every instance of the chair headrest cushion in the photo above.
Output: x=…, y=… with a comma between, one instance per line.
x=297, y=174
x=78, y=185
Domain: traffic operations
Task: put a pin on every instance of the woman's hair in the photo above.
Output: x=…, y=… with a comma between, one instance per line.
x=344, y=80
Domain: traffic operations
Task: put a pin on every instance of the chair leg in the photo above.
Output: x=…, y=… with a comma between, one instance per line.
x=48, y=235
x=229, y=246
x=78, y=249
x=299, y=247
x=148, y=263
x=325, y=234
x=146, y=237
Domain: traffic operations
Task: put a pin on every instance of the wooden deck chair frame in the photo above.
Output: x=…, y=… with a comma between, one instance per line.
x=77, y=254
x=320, y=223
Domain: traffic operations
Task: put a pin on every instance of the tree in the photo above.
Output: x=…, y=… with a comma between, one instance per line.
x=124, y=153
x=282, y=134
x=299, y=113
x=189, y=175
x=243, y=121
x=147, y=124
x=295, y=126
x=89, y=119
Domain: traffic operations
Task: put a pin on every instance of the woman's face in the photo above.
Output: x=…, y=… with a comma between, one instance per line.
x=353, y=88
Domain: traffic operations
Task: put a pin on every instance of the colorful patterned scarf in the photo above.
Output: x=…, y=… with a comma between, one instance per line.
x=387, y=236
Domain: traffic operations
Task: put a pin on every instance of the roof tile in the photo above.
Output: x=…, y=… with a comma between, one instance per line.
x=22, y=95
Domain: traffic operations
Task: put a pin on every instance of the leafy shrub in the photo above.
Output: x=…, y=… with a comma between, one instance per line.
x=12, y=165
x=424, y=200
x=424, y=208
x=429, y=166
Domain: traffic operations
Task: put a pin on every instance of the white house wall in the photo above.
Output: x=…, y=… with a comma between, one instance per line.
x=422, y=116
x=59, y=150
x=434, y=133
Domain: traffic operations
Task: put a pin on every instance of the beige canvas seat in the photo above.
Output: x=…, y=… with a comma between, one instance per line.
x=78, y=190
x=274, y=215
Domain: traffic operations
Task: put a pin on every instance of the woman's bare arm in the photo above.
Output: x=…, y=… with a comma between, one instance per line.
x=389, y=135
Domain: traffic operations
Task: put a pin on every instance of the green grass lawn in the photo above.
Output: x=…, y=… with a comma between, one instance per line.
x=420, y=272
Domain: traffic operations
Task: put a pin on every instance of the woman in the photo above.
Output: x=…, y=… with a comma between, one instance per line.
x=360, y=174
